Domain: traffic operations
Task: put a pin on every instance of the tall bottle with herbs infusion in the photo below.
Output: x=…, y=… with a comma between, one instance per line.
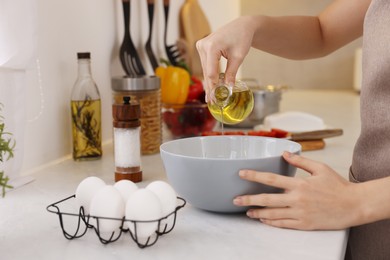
x=86, y=113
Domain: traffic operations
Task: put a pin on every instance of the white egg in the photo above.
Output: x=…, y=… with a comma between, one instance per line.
x=126, y=188
x=108, y=203
x=167, y=197
x=143, y=205
x=86, y=190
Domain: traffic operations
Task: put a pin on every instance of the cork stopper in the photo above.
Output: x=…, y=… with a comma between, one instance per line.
x=127, y=114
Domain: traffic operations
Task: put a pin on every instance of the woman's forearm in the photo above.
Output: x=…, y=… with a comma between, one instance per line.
x=305, y=37
x=293, y=37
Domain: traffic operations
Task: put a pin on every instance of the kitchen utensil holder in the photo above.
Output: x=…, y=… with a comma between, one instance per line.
x=83, y=224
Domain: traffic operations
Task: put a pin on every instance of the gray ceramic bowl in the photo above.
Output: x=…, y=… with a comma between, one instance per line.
x=204, y=170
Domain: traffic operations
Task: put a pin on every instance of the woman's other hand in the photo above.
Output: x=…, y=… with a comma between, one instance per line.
x=323, y=200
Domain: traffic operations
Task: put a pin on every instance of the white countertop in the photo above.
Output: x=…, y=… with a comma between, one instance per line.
x=28, y=231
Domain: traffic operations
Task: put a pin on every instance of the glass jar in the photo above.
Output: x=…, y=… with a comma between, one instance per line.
x=145, y=90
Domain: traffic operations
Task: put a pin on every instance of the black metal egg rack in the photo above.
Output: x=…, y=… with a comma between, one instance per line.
x=164, y=224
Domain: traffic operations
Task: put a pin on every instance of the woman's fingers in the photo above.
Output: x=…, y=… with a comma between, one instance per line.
x=280, y=181
x=231, y=70
x=209, y=57
x=263, y=199
x=284, y=223
x=269, y=178
x=303, y=163
x=277, y=217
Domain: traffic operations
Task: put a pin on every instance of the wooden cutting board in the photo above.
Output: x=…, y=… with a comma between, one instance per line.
x=311, y=145
x=194, y=26
x=314, y=140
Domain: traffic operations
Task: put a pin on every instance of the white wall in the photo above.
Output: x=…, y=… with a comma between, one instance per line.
x=67, y=27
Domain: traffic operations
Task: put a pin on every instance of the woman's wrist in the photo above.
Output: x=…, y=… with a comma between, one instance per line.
x=372, y=201
x=254, y=25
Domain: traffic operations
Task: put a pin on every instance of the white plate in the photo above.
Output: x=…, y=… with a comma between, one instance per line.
x=292, y=121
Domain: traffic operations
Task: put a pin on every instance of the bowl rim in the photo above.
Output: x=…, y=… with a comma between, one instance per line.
x=298, y=149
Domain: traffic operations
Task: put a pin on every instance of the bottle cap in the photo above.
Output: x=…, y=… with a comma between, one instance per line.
x=222, y=93
x=127, y=114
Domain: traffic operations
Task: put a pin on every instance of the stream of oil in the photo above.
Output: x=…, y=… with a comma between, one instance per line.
x=222, y=129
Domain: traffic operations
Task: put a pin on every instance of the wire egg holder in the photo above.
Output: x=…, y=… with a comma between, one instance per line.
x=164, y=224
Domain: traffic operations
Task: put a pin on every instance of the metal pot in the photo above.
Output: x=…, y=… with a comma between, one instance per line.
x=266, y=102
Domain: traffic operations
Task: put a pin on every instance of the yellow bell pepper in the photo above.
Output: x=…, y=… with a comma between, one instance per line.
x=175, y=84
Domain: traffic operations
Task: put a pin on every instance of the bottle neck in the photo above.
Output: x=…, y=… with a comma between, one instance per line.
x=84, y=68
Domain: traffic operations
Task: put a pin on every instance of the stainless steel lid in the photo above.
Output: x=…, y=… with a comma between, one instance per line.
x=135, y=84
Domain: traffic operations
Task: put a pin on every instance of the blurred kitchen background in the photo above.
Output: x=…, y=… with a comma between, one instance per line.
x=64, y=28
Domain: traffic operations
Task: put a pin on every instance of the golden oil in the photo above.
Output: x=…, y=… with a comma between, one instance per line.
x=231, y=104
x=86, y=129
x=238, y=108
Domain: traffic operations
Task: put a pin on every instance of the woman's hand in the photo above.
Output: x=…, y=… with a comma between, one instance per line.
x=232, y=42
x=323, y=200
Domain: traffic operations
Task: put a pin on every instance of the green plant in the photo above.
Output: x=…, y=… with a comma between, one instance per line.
x=7, y=145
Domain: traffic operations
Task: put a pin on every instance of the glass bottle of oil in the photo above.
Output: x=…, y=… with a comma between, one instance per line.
x=86, y=113
x=231, y=104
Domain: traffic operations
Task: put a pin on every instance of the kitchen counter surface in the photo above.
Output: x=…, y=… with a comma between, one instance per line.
x=28, y=231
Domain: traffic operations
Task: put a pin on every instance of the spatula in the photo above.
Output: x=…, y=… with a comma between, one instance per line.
x=130, y=60
x=148, y=45
x=125, y=50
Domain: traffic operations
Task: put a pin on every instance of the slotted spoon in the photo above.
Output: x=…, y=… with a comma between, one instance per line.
x=172, y=51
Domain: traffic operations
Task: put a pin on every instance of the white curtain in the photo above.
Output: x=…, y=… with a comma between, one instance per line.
x=18, y=53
